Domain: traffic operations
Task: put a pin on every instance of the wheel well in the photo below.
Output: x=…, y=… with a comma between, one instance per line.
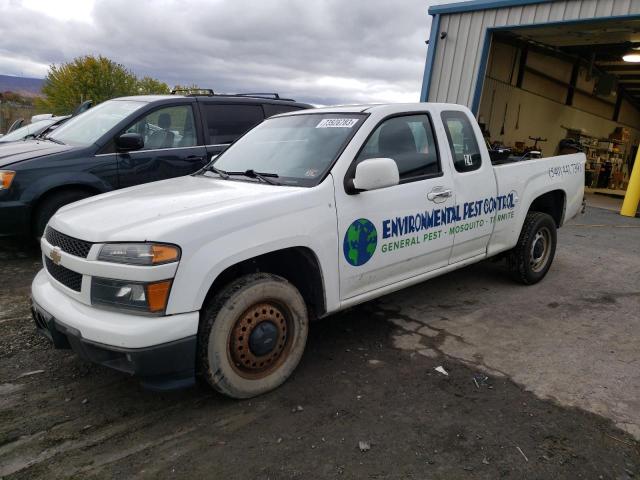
x=298, y=265
x=552, y=203
x=63, y=188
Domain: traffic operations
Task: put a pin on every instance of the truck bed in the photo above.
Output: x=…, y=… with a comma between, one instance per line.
x=530, y=179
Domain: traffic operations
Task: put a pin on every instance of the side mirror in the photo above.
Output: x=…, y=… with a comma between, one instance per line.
x=128, y=142
x=375, y=173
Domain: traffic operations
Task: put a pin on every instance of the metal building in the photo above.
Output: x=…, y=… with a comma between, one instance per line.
x=544, y=69
x=456, y=63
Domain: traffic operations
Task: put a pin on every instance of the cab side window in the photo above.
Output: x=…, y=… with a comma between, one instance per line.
x=409, y=141
x=169, y=127
x=226, y=122
x=462, y=141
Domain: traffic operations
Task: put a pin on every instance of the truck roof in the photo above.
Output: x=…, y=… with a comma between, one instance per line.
x=345, y=108
x=375, y=107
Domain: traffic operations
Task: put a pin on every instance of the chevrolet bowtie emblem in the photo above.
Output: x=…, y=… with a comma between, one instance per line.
x=55, y=255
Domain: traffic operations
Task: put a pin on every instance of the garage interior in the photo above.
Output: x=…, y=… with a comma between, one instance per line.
x=548, y=88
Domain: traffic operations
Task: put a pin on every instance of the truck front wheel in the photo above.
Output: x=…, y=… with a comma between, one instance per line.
x=531, y=258
x=252, y=335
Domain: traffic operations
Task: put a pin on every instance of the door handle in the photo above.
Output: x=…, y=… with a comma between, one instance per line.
x=195, y=157
x=439, y=194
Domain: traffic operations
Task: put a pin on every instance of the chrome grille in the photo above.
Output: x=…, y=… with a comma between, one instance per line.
x=70, y=245
x=68, y=278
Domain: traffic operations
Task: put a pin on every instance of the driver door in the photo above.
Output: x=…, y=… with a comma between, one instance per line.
x=171, y=147
x=395, y=233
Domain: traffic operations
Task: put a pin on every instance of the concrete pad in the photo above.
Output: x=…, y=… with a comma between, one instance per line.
x=572, y=338
x=607, y=202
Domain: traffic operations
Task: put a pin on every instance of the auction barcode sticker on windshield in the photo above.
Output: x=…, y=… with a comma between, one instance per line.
x=337, y=123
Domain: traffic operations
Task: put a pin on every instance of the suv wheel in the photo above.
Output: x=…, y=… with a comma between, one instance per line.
x=51, y=204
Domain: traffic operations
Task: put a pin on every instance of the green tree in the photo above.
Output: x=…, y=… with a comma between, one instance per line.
x=91, y=78
x=151, y=86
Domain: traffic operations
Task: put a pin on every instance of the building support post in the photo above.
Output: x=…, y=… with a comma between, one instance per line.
x=523, y=66
x=575, y=71
x=618, y=106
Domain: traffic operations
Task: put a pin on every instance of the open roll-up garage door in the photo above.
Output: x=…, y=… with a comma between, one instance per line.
x=545, y=87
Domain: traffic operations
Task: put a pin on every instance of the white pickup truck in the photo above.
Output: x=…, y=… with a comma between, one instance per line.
x=216, y=275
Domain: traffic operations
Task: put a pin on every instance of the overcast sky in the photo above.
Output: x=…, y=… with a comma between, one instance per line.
x=321, y=51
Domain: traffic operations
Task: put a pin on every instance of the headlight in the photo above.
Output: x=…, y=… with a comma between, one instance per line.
x=6, y=177
x=139, y=253
x=126, y=295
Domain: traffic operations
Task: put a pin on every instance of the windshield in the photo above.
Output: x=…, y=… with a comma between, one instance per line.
x=32, y=129
x=88, y=127
x=298, y=149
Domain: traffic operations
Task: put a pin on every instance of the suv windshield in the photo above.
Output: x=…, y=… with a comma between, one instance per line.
x=298, y=149
x=88, y=127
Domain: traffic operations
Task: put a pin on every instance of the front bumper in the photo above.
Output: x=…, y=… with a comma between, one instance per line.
x=15, y=219
x=160, y=350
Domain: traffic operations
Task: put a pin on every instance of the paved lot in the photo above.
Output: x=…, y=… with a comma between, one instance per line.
x=606, y=202
x=575, y=337
x=543, y=383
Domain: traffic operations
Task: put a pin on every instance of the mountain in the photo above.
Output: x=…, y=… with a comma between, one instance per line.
x=29, y=87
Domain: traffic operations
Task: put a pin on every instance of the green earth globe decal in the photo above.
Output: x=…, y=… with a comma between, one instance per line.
x=360, y=242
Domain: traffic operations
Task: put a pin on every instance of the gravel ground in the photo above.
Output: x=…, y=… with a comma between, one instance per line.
x=364, y=403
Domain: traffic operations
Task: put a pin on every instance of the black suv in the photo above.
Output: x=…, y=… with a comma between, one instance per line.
x=120, y=143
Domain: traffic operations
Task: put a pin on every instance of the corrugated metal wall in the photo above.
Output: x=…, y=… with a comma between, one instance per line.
x=458, y=56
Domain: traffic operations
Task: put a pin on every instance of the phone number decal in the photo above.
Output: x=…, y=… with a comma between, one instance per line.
x=568, y=169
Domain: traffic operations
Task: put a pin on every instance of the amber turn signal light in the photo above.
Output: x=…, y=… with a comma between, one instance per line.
x=157, y=295
x=6, y=177
x=164, y=253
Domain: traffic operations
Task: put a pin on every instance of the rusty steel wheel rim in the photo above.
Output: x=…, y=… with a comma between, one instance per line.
x=540, y=250
x=260, y=340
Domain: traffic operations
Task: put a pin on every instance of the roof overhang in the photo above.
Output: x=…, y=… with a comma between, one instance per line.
x=476, y=5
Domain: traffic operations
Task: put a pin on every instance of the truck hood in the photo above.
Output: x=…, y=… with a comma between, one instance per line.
x=154, y=210
x=12, y=152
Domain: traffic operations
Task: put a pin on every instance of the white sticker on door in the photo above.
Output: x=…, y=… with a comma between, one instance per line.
x=337, y=123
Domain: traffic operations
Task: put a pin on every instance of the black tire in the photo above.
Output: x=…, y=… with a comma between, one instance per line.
x=237, y=355
x=532, y=256
x=50, y=205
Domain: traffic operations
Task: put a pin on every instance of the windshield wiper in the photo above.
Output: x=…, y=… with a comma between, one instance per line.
x=262, y=176
x=213, y=169
x=51, y=140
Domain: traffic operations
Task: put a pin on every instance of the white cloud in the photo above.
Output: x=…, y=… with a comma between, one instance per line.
x=77, y=10
x=320, y=51
x=23, y=67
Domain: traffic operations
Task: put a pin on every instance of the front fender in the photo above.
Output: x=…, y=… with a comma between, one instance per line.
x=311, y=224
x=45, y=184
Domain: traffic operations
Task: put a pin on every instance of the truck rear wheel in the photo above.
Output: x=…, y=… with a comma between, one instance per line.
x=531, y=258
x=252, y=335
